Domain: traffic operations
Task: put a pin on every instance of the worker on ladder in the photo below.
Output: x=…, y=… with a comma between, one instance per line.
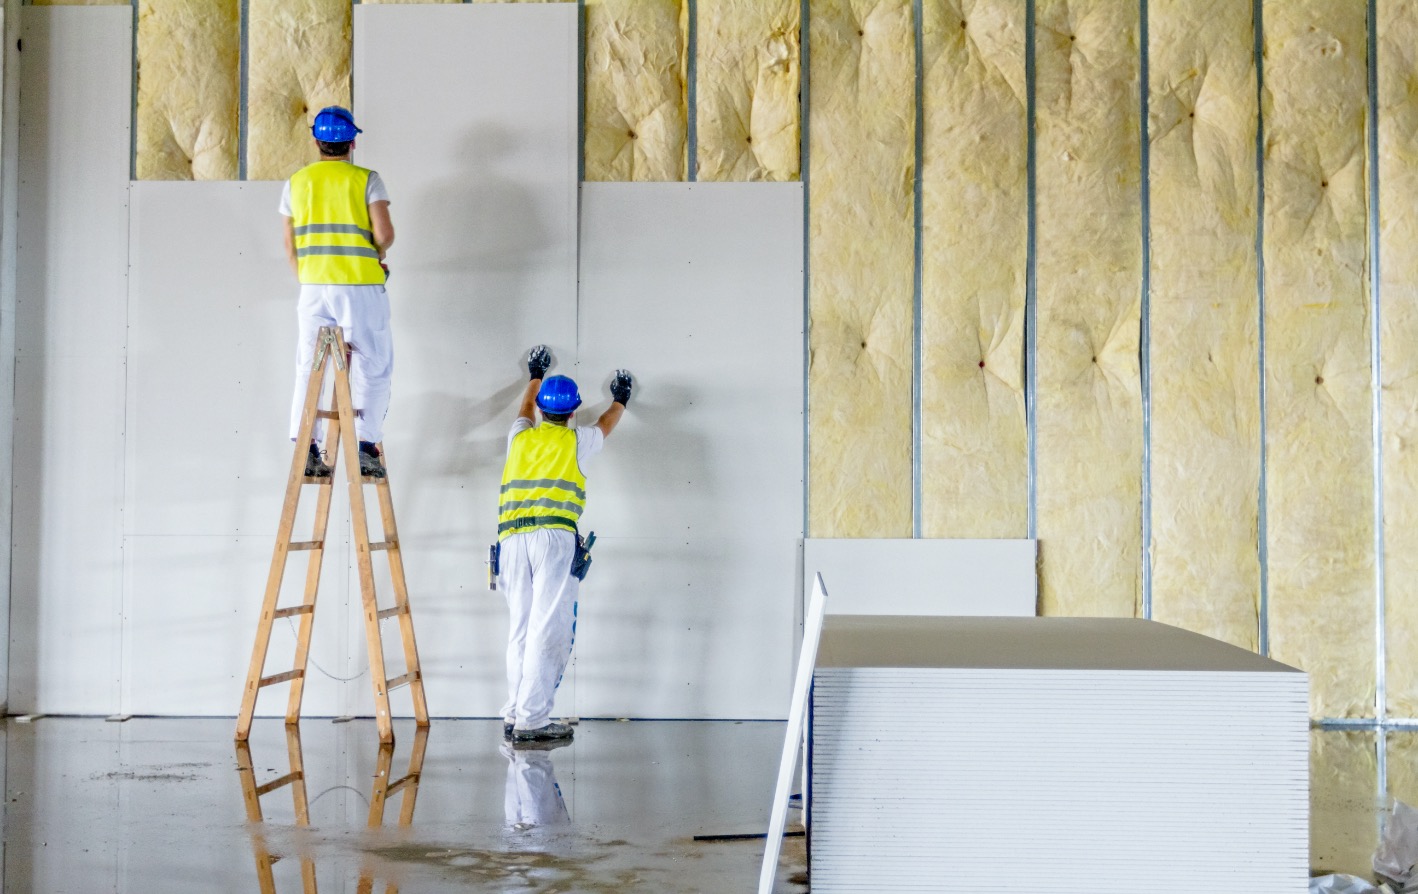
x=337, y=231
x=540, y=554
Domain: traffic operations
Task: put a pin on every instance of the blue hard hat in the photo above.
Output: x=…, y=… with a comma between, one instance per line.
x=558, y=395
x=334, y=124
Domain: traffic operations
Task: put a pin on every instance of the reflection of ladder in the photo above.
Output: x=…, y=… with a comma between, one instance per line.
x=383, y=790
x=330, y=349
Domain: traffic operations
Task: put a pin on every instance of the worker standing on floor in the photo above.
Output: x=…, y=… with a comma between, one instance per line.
x=337, y=231
x=540, y=555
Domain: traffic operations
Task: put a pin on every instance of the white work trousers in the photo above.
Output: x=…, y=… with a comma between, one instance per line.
x=363, y=313
x=531, y=796
x=534, y=574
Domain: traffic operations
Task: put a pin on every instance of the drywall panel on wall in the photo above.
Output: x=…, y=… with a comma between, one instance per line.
x=991, y=578
x=211, y=346
x=298, y=63
x=635, y=89
x=747, y=89
x=483, y=197
x=1089, y=418
x=697, y=500
x=189, y=89
x=862, y=239
x=66, y=582
x=1319, y=437
x=1205, y=314
x=1398, y=265
x=974, y=447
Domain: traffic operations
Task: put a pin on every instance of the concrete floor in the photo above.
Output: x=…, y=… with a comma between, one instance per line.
x=159, y=806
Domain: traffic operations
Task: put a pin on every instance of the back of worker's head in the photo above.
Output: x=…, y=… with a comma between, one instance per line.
x=334, y=130
x=558, y=398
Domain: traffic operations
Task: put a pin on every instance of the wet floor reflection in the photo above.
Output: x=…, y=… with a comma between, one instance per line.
x=532, y=798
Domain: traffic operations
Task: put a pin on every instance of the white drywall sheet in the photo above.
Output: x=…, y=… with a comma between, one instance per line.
x=697, y=500
x=68, y=498
x=926, y=577
x=469, y=114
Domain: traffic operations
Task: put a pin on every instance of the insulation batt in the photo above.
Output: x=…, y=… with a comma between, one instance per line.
x=974, y=443
x=1205, y=313
x=862, y=240
x=188, y=89
x=299, y=53
x=1089, y=416
x=747, y=90
x=1319, y=437
x=636, y=123
x=1343, y=780
x=1398, y=316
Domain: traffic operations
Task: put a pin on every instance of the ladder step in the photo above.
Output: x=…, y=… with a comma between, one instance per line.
x=311, y=479
x=299, y=545
x=370, y=479
x=384, y=544
x=326, y=414
x=411, y=779
x=391, y=612
x=281, y=678
x=406, y=679
x=284, y=780
x=293, y=611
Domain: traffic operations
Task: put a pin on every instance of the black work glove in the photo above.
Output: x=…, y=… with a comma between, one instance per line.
x=620, y=387
x=538, y=361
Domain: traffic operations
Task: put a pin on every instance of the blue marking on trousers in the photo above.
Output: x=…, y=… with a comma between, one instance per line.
x=575, y=606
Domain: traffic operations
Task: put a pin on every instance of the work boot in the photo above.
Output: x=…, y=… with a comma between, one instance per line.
x=542, y=733
x=507, y=729
x=370, y=463
x=315, y=465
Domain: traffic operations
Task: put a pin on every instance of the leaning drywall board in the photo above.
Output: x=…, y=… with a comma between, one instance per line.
x=70, y=340
x=469, y=114
x=697, y=499
x=925, y=576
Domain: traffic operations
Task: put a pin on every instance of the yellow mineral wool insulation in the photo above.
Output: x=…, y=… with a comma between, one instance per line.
x=1089, y=411
x=1205, y=354
x=386, y=2
x=747, y=89
x=1343, y=792
x=1402, y=748
x=635, y=98
x=862, y=239
x=81, y=2
x=299, y=53
x=188, y=72
x=974, y=443
x=1319, y=437
x=1398, y=295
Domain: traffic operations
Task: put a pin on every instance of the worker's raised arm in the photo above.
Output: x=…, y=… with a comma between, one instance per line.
x=382, y=226
x=538, y=361
x=621, y=387
x=289, y=231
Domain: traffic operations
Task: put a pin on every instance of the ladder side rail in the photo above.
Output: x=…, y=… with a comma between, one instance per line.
x=401, y=601
x=320, y=532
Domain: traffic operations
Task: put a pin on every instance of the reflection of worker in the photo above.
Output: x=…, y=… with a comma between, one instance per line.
x=543, y=494
x=337, y=230
x=532, y=797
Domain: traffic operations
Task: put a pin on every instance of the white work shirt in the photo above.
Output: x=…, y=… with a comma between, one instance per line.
x=589, y=439
x=374, y=191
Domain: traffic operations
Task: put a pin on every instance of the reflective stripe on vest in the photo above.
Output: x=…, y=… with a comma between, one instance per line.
x=542, y=484
x=334, y=238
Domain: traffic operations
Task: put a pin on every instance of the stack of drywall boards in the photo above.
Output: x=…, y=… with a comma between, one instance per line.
x=1052, y=754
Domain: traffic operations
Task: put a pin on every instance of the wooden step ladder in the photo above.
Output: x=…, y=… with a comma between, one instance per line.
x=330, y=350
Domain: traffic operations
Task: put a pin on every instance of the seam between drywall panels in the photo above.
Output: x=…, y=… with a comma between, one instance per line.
x=1031, y=272
x=1262, y=529
x=691, y=90
x=1376, y=385
x=243, y=115
x=1145, y=343
x=917, y=271
x=804, y=177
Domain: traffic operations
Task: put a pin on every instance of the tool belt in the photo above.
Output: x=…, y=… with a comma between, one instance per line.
x=581, y=559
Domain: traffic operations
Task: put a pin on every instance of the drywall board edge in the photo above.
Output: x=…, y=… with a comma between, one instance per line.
x=9, y=242
x=996, y=578
x=1030, y=643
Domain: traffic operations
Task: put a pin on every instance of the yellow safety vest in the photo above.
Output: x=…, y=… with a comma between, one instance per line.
x=334, y=239
x=542, y=484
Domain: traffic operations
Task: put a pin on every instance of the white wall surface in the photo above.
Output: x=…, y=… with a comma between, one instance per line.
x=152, y=444
x=926, y=577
